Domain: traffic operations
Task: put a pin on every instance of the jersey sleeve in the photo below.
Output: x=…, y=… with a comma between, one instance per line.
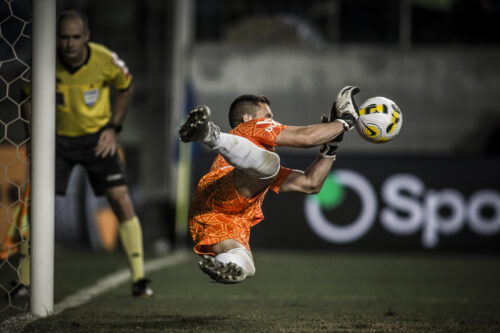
x=280, y=178
x=261, y=131
x=119, y=73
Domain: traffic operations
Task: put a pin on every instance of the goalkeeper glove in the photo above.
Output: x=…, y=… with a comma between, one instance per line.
x=329, y=149
x=347, y=111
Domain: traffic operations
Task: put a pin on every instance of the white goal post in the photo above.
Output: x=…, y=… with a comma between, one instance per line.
x=43, y=157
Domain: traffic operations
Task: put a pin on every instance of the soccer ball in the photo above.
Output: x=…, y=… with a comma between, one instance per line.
x=380, y=120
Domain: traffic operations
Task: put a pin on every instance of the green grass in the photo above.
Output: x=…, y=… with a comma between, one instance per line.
x=292, y=292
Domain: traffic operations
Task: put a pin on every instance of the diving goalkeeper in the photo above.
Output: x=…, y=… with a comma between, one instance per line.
x=228, y=199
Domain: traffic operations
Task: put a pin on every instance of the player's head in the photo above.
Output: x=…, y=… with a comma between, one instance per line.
x=72, y=34
x=247, y=107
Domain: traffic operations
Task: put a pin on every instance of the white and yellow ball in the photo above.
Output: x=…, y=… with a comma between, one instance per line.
x=380, y=120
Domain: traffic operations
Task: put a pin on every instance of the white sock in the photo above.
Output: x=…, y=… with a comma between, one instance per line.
x=239, y=256
x=243, y=154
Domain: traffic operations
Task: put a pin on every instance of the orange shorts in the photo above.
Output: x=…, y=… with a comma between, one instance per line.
x=218, y=212
x=207, y=234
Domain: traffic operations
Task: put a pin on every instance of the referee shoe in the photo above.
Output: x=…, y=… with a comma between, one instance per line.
x=141, y=288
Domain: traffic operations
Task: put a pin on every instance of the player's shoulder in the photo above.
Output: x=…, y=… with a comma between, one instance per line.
x=261, y=123
x=268, y=125
x=262, y=130
x=100, y=51
x=265, y=121
x=108, y=59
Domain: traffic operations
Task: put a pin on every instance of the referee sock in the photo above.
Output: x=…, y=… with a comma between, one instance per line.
x=24, y=265
x=244, y=154
x=131, y=239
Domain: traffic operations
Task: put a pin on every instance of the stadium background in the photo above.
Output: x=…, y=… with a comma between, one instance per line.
x=437, y=59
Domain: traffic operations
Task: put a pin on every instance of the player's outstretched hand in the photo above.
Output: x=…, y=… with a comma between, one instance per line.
x=347, y=111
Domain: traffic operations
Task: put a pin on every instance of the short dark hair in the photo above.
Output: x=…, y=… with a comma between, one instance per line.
x=72, y=13
x=245, y=104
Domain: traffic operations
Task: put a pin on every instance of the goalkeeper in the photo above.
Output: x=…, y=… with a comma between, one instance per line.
x=228, y=199
x=87, y=129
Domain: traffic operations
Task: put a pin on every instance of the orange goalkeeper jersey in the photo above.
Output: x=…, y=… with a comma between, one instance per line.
x=217, y=211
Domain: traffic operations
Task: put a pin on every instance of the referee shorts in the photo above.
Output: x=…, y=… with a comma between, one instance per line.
x=103, y=173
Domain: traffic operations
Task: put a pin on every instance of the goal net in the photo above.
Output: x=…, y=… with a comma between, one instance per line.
x=15, y=65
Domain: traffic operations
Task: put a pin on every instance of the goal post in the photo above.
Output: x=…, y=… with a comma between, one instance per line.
x=182, y=39
x=43, y=157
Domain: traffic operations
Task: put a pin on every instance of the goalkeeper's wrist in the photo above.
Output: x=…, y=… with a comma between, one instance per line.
x=328, y=151
x=345, y=124
x=333, y=157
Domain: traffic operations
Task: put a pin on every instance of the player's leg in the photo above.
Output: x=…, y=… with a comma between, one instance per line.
x=107, y=176
x=237, y=151
x=21, y=286
x=64, y=166
x=223, y=244
x=131, y=237
x=232, y=262
x=231, y=250
x=24, y=265
x=65, y=162
x=17, y=238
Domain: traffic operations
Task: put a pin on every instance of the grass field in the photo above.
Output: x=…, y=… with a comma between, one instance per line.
x=292, y=292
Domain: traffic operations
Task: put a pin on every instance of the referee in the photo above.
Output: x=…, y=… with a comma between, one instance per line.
x=87, y=129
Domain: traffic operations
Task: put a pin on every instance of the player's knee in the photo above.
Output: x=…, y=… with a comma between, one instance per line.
x=119, y=200
x=267, y=166
x=117, y=193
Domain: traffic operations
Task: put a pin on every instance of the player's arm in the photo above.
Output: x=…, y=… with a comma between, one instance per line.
x=107, y=144
x=309, y=181
x=343, y=116
x=309, y=136
x=121, y=105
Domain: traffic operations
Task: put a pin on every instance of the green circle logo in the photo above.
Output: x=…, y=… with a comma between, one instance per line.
x=332, y=193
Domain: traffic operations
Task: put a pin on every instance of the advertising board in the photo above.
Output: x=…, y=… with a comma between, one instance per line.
x=389, y=203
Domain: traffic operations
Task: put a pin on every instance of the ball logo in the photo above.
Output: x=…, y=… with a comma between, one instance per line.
x=372, y=131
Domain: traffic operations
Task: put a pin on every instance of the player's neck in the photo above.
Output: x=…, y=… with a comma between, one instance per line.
x=73, y=64
x=79, y=61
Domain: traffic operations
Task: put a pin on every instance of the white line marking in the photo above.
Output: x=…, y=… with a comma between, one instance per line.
x=17, y=323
